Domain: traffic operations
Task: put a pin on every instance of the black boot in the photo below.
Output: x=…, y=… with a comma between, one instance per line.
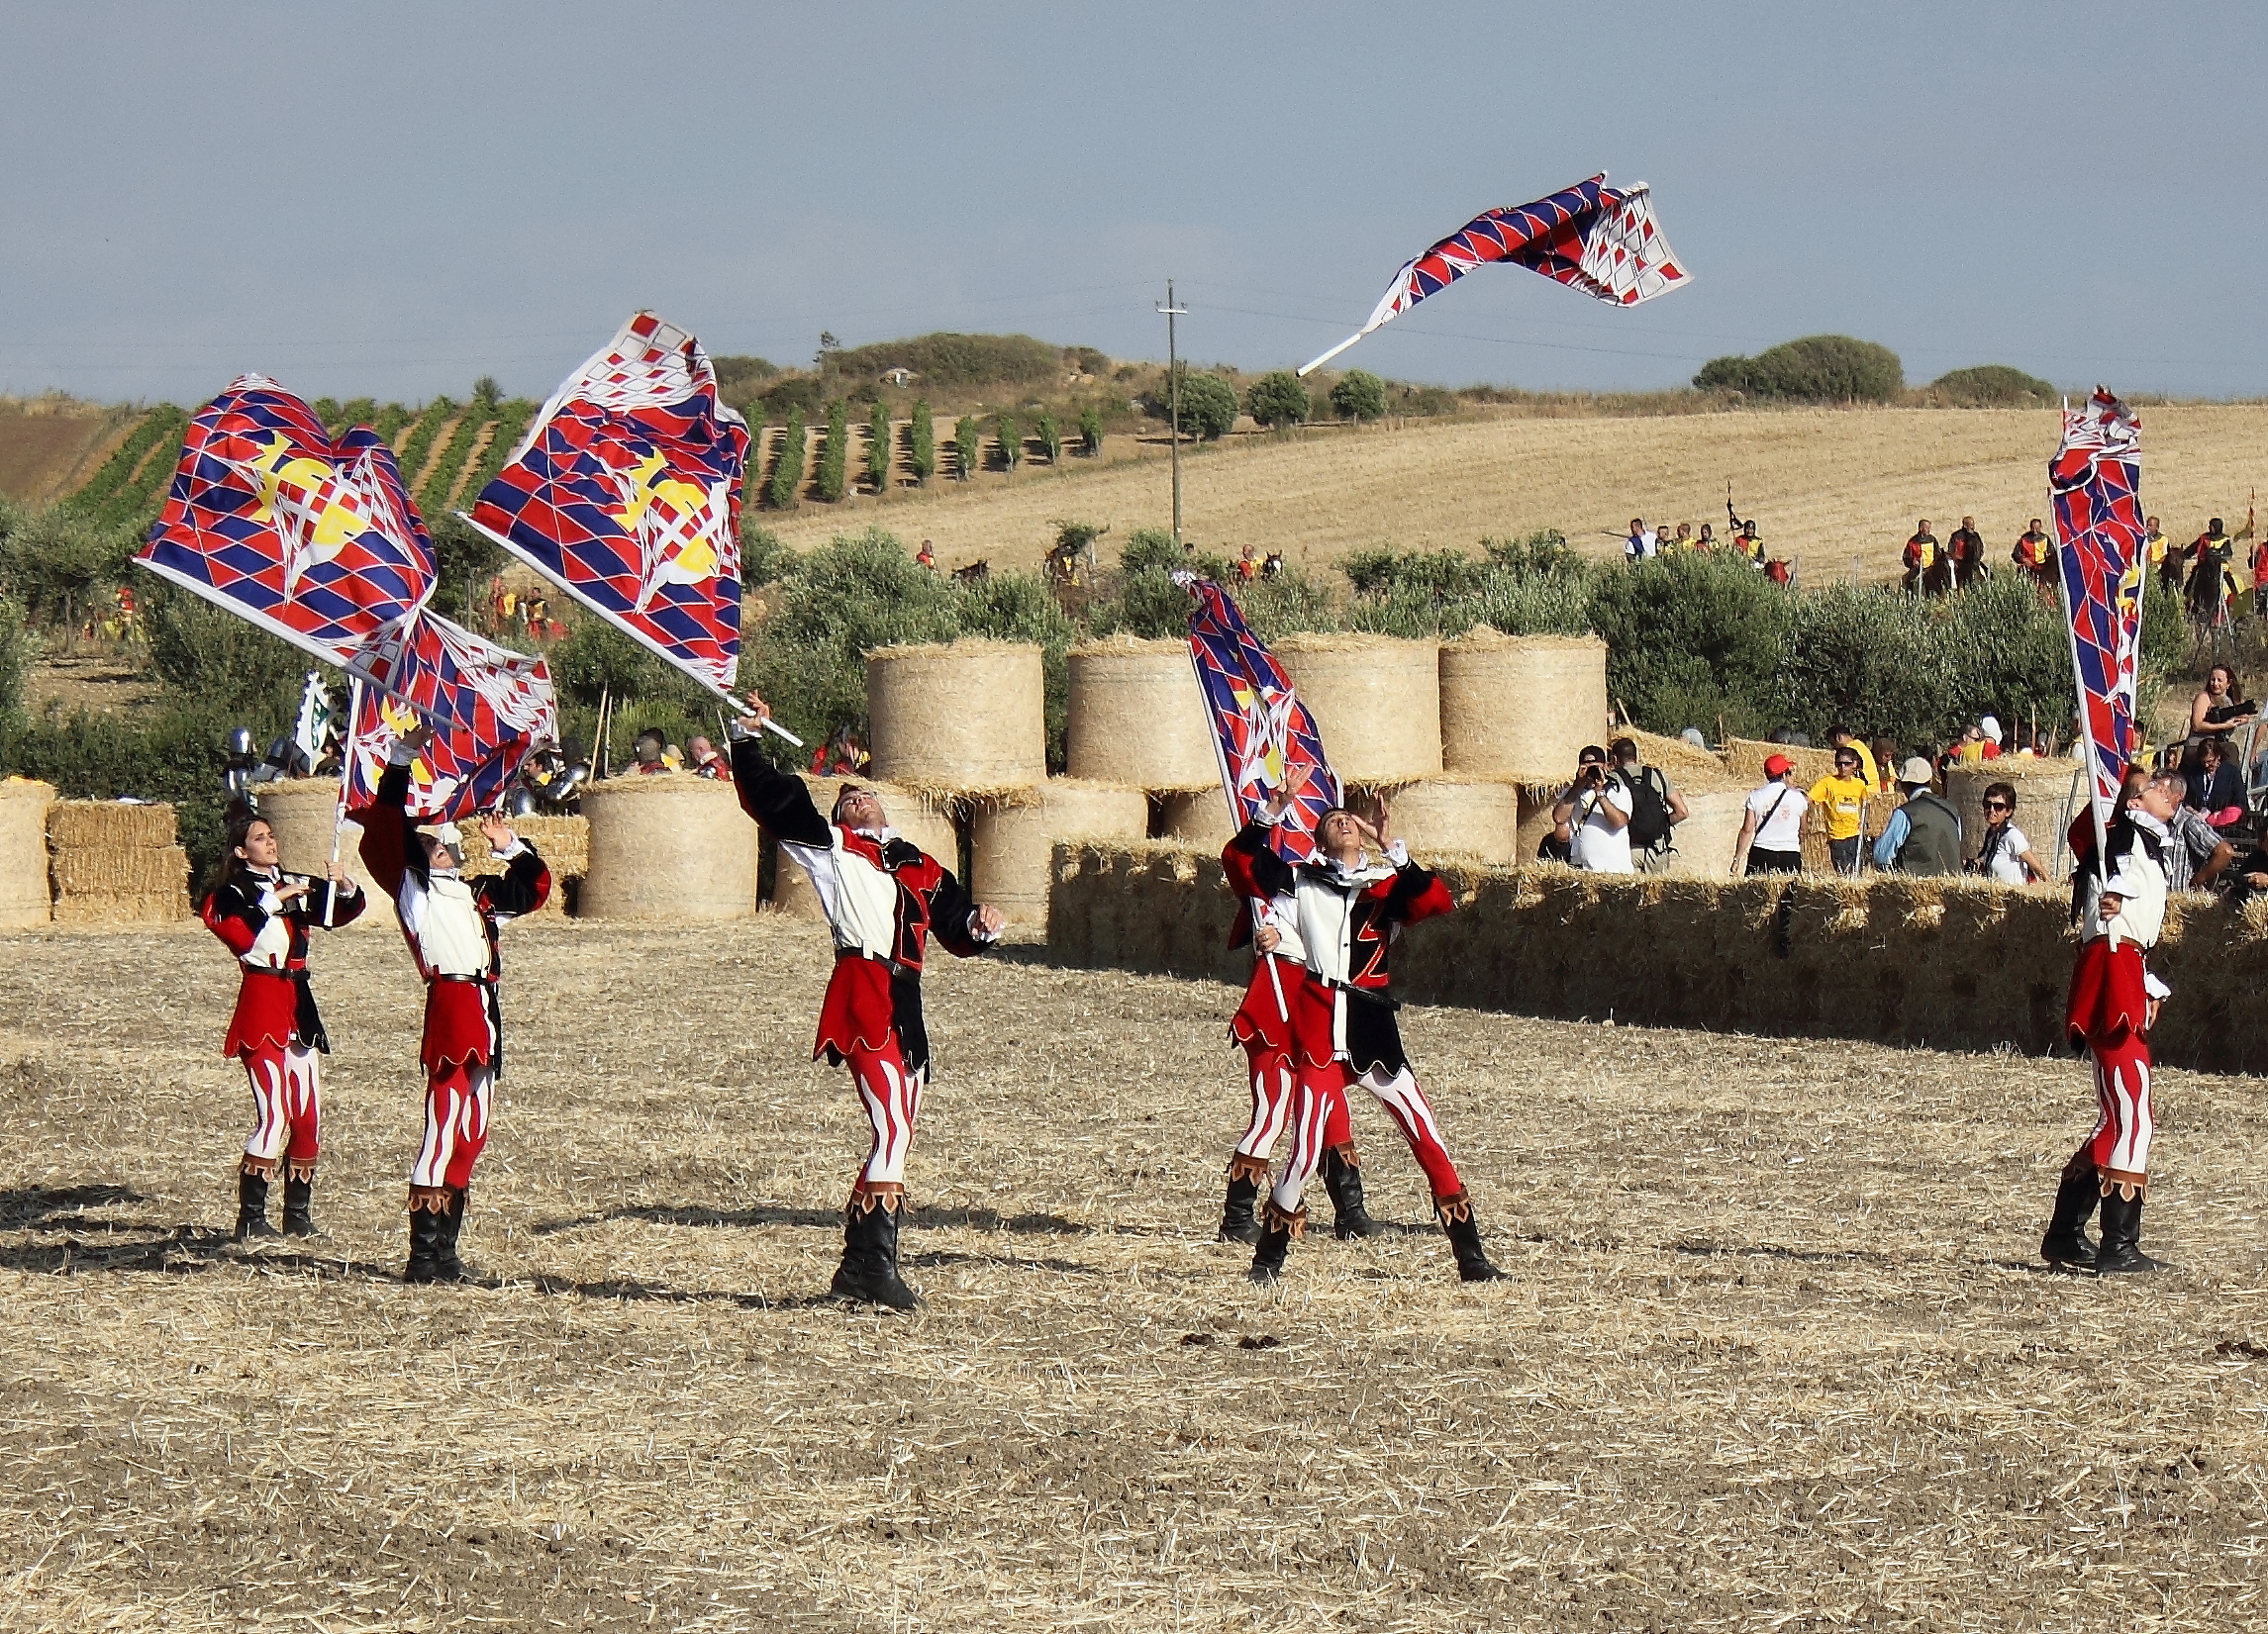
x=869, y=1267
x=2075, y=1199
x=1278, y=1230
x=1456, y=1216
x=252, y=1207
x=451, y=1268
x=1245, y=1178
x=1343, y=1180
x=298, y=1206
x=2122, y=1235
x=425, y=1242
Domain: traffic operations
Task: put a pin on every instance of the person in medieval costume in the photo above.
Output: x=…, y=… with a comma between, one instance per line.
x=262, y=915
x=884, y=899
x=2114, y=1003
x=450, y=923
x=1348, y=906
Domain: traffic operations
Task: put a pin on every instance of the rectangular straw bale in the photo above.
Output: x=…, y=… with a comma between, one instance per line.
x=115, y=864
x=104, y=826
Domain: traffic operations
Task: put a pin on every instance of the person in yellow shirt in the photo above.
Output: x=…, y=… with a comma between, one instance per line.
x=1843, y=738
x=1841, y=802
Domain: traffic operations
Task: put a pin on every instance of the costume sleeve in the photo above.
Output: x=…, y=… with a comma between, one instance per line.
x=778, y=801
x=345, y=910
x=229, y=914
x=1416, y=893
x=521, y=888
x=952, y=915
x=1270, y=875
x=389, y=842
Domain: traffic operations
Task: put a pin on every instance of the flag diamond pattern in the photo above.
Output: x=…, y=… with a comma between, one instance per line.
x=1262, y=733
x=2095, y=482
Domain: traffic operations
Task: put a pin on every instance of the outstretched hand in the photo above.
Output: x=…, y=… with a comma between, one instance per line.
x=498, y=833
x=989, y=921
x=758, y=712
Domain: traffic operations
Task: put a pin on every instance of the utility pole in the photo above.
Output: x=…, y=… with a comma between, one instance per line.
x=1174, y=401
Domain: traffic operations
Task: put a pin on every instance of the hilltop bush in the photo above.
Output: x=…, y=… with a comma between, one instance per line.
x=1359, y=395
x=922, y=456
x=1995, y=386
x=1820, y=369
x=787, y=470
x=1010, y=438
x=878, y=447
x=955, y=362
x=1050, y=442
x=834, y=453
x=968, y=445
x=1278, y=398
x=58, y=566
x=1208, y=405
x=1090, y=430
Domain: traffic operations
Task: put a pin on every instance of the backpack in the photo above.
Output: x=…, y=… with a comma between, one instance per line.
x=1650, y=810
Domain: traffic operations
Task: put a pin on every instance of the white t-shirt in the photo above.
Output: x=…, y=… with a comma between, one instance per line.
x=1779, y=822
x=2005, y=865
x=1599, y=845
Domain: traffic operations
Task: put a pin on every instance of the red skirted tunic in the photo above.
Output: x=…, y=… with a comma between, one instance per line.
x=275, y=1006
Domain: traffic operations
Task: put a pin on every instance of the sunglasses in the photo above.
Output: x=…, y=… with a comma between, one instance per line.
x=1998, y=805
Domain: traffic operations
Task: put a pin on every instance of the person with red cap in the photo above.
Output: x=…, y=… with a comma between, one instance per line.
x=1772, y=830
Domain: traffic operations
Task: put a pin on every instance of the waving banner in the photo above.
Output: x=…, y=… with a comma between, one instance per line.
x=2095, y=481
x=487, y=704
x=1261, y=732
x=1592, y=238
x=626, y=493
x=312, y=539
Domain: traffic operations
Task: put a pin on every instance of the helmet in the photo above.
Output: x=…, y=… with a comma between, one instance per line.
x=239, y=743
x=520, y=802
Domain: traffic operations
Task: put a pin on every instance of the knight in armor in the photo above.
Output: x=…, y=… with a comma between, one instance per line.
x=262, y=915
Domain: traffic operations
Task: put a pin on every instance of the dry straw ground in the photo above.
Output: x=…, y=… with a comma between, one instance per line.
x=1774, y=1351
x=1824, y=484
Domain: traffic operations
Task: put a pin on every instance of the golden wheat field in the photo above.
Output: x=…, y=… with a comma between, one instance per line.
x=1826, y=485
x=1774, y=1351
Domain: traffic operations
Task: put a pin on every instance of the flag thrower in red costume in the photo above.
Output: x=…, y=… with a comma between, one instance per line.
x=1348, y=902
x=884, y=900
x=450, y=923
x=261, y=915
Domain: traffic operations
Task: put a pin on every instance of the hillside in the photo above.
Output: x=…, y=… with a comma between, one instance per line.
x=51, y=445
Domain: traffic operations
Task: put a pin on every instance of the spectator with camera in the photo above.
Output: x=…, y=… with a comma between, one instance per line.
x=1656, y=808
x=1595, y=809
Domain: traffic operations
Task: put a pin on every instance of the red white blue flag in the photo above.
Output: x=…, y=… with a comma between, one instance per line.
x=312, y=539
x=1590, y=237
x=626, y=493
x=2095, y=481
x=1262, y=732
x=487, y=706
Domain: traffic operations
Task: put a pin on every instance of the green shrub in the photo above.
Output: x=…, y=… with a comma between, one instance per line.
x=954, y=362
x=327, y=409
x=787, y=470
x=878, y=447
x=763, y=558
x=1051, y=443
x=1689, y=637
x=834, y=453
x=968, y=445
x=1090, y=430
x=923, y=455
x=464, y=558
x=360, y=411
x=594, y=660
x=1010, y=438
x=220, y=662
x=16, y=649
x=1208, y=407
x=1995, y=386
x=58, y=566
x=389, y=420
x=1820, y=369
x=1278, y=398
x=1359, y=395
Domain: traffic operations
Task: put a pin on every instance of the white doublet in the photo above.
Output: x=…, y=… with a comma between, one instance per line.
x=446, y=920
x=1325, y=893
x=2136, y=879
x=859, y=899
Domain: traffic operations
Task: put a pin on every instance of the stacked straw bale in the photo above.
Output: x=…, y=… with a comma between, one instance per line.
x=1701, y=847
x=24, y=886
x=1010, y=844
x=2042, y=787
x=301, y=812
x=113, y=863
x=1376, y=700
x=1744, y=758
x=1519, y=709
x=1463, y=816
x=564, y=844
x=673, y=846
x=967, y=718
x=1197, y=817
x=1136, y=718
x=927, y=822
x=1146, y=906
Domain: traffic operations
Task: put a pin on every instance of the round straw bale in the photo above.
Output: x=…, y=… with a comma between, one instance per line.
x=1376, y=700
x=966, y=718
x=928, y=823
x=1520, y=707
x=673, y=848
x=1744, y=758
x=1458, y=815
x=1701, y=845
x=301, y=811
x=1010, y=845
x=1197, y=816
x=1137, y=717
x=24, y=897
x=2042, y=797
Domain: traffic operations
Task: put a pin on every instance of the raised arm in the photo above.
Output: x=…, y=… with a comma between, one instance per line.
x=525, y=882
x=390, y=847
x=777, y=800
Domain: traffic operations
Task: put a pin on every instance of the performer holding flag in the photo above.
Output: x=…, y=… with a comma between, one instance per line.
x=883, y=899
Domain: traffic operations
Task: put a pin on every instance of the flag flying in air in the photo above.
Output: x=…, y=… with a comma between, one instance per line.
x=1592, y=238
x=312, y=539
x=1261, y=732
x=487, y=706
x=2094, y=480
x=626, y=493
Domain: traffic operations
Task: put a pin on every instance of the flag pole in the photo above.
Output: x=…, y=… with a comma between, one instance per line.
x=345, y=776
x=1305, y=369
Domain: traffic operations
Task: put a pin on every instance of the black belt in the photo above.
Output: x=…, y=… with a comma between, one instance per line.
x=480, y=981
x=1366, y=995
x=896, y=969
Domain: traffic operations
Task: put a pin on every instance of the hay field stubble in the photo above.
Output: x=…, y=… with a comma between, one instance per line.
x=1824, y=484
x=1774, y=1351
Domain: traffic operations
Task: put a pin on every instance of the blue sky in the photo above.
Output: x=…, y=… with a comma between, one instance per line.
x=394, y=200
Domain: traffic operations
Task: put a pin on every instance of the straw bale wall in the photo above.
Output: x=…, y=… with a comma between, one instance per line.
x=964, y=718
x=111, y=863
x=1198, y=818
x=564, y=844
x=1010, y=844
x=301, y=811
x=1701, y=847
x=24, y=886
x=674, y=847
x=2041, y=788
x=1519, y=708
x=1136, y=718
x=1376, y=700
x=930, y=823
x=1952, y=964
